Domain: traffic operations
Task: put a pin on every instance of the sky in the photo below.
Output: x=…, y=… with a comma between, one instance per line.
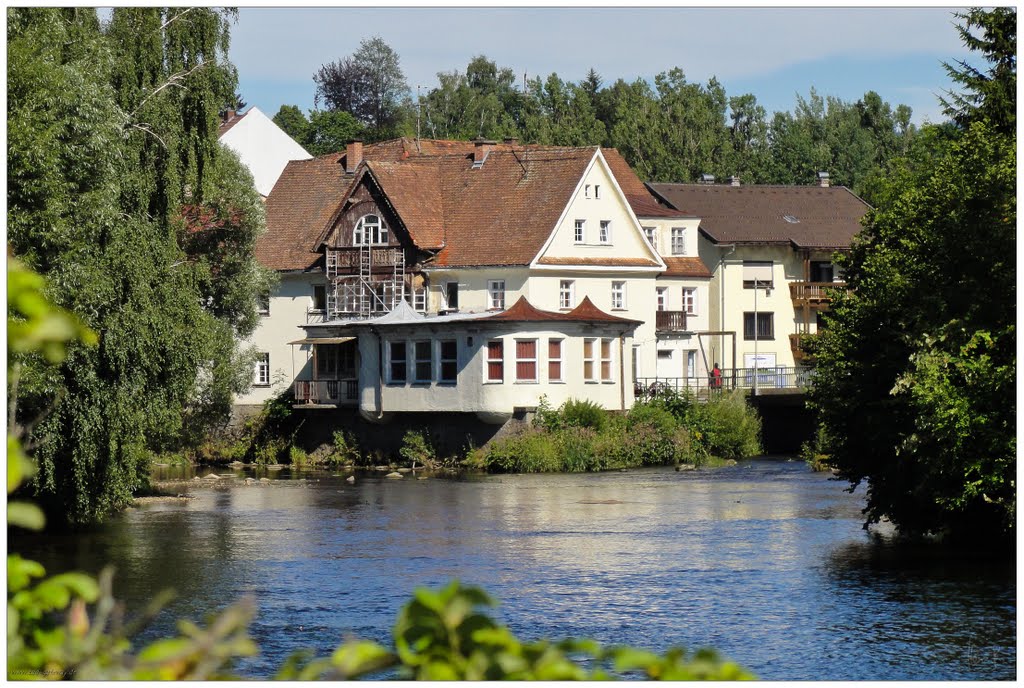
x=774, y=53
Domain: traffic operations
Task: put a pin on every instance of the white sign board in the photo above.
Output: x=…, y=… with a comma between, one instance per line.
x=759, y=360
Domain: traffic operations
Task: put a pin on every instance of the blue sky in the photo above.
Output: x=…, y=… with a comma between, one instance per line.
x=774, y=53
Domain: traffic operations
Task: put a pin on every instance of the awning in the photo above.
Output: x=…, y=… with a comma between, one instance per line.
x=323, y=340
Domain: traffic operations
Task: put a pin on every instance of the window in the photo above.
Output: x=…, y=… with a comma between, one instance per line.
x=579, y=231
x=586, y=191
x=319, y=297
x=496, y=290
x=678, y=241
x=554, y=360
x=822, y=271
x=757, y=273
x=597, y=191
x=690, y=300
x=526, y=360
x=417, y=298
x=662, y=298
x=636, y=358
x=691, y=363
x=451, y=296
x=449, y=360
x=397, y=363
x=263, y=303
x=369, y=230
x=618, y=295
x=765, y=328
x=604, y=235
x=566, y=294
x=424, y=361
x=495, y=361
x=327, y=361
x=261, y=376
x=650, y=233
x=588, y=359
x=606, y=359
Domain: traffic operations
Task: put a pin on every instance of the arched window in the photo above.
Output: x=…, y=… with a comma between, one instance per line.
x=370, y=230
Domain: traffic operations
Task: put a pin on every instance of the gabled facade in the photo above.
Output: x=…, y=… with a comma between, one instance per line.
x=770, y=250
x=262, y=146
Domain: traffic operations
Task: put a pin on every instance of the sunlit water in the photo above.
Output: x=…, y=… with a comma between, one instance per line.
x=765, y=561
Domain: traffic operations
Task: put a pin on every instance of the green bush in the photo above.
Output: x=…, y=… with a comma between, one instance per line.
x=528, y=451
x=735, y=426
x=583, y=414
x=576, y=447
x=345, y=449
x=297, y=456
x=417, y=448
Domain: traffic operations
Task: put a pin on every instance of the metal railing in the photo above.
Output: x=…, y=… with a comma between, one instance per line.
x=769, y=380
x=327, y=391
x=670, y=321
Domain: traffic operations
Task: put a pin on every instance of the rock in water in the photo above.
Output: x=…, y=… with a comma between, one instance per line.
x=393, y=474
x=404, y=470
x=350, y=479
x=264, y=480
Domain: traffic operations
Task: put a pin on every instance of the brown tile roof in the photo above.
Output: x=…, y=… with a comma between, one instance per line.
x=644, y=204
x=610, y=262
x=523, y=311
x=827, y=218
x=685, y=266
x=231, y=121
x=303, y=199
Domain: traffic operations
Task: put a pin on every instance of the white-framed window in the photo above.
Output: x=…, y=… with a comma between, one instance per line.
x=554, y=360
x=690, y=300
x=496, y=294
x=597, y=191
x=261, y=374
x=567, y=294
x=417, y=298
x=586, y=190
x=606, y=360
x=263, y=303
x=678, y=241
x=652, y=236
x=604, y=234
x=398, y=365
x=495, y=361
x=579, y=231
x=757, y=274
x=370, y=229
x=589, y=360
x=691, y=363
x=451, y=296
x=526, y=360
x=449, y=361
x=424, y=361
x=662, y=298
x=618, y=295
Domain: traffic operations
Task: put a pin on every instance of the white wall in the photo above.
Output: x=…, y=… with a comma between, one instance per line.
x=263, y=147
x=288, y=312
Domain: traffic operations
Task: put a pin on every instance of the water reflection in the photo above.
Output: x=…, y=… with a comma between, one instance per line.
x=763, y=560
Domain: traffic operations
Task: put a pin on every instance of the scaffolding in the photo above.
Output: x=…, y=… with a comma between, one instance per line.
x=365, y=281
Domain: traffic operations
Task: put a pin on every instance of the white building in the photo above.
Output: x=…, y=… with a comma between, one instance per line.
x=261, y=145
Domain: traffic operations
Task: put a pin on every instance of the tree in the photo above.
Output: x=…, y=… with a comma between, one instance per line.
x=370, y=85
x=990, y=95
x=915, y=371
x=112, y=140
x=292, y=122
x=330, y=131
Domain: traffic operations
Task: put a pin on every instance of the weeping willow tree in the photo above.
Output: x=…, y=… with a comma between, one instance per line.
x=119, y=194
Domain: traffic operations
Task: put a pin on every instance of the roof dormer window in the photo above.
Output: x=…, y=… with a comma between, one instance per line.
x=792, y=219
x=370, y=230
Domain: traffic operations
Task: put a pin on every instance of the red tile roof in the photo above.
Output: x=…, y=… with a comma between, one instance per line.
x=685, y=266
x=825, y=218
x=644, y=204
x=523, y=311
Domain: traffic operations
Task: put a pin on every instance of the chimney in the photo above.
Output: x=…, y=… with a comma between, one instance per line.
x=707, y=179
x=823, y=180
x=734, y=180
x=353, y=155
x=511, y=141
x=229, y=115
x=481, y=150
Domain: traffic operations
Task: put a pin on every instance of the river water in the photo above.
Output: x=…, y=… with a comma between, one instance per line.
x=765, y=561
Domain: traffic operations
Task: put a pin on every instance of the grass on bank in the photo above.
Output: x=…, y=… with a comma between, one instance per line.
x=579, y=436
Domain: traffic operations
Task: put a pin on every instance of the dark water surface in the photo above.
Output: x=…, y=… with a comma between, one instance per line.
x=765, y=561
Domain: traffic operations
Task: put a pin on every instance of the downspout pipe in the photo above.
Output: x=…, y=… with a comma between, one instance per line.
x=378, y=397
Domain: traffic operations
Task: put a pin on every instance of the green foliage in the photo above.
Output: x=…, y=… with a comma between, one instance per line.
x=814, y=452
x=916, y=372
x=990, y=96
x=112, y=150
x=297, y=456
x=583, y=414
x=346, y=448
x=417, y=448
x=292, y=122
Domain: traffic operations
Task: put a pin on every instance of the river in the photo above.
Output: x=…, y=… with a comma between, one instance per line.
x=765, y=561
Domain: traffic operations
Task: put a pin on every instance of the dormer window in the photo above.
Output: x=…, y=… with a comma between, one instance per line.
x=370, y=230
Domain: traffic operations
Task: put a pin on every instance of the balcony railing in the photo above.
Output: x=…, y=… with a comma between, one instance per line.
x=327, y=392
x=670, y=321
x=767, y=380
x=347, y=261
x=813, y=292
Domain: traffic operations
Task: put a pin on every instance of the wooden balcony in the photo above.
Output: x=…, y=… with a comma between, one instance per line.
x=348, y=260
x=814, y=294
x=670, y=321
x=343, y=392
x=794, y=345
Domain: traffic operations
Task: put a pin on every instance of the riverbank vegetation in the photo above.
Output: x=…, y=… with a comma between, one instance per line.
x=579, y=436
x=916, y=367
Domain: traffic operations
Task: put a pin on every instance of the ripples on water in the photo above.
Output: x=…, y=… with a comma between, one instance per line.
x=765, y=561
